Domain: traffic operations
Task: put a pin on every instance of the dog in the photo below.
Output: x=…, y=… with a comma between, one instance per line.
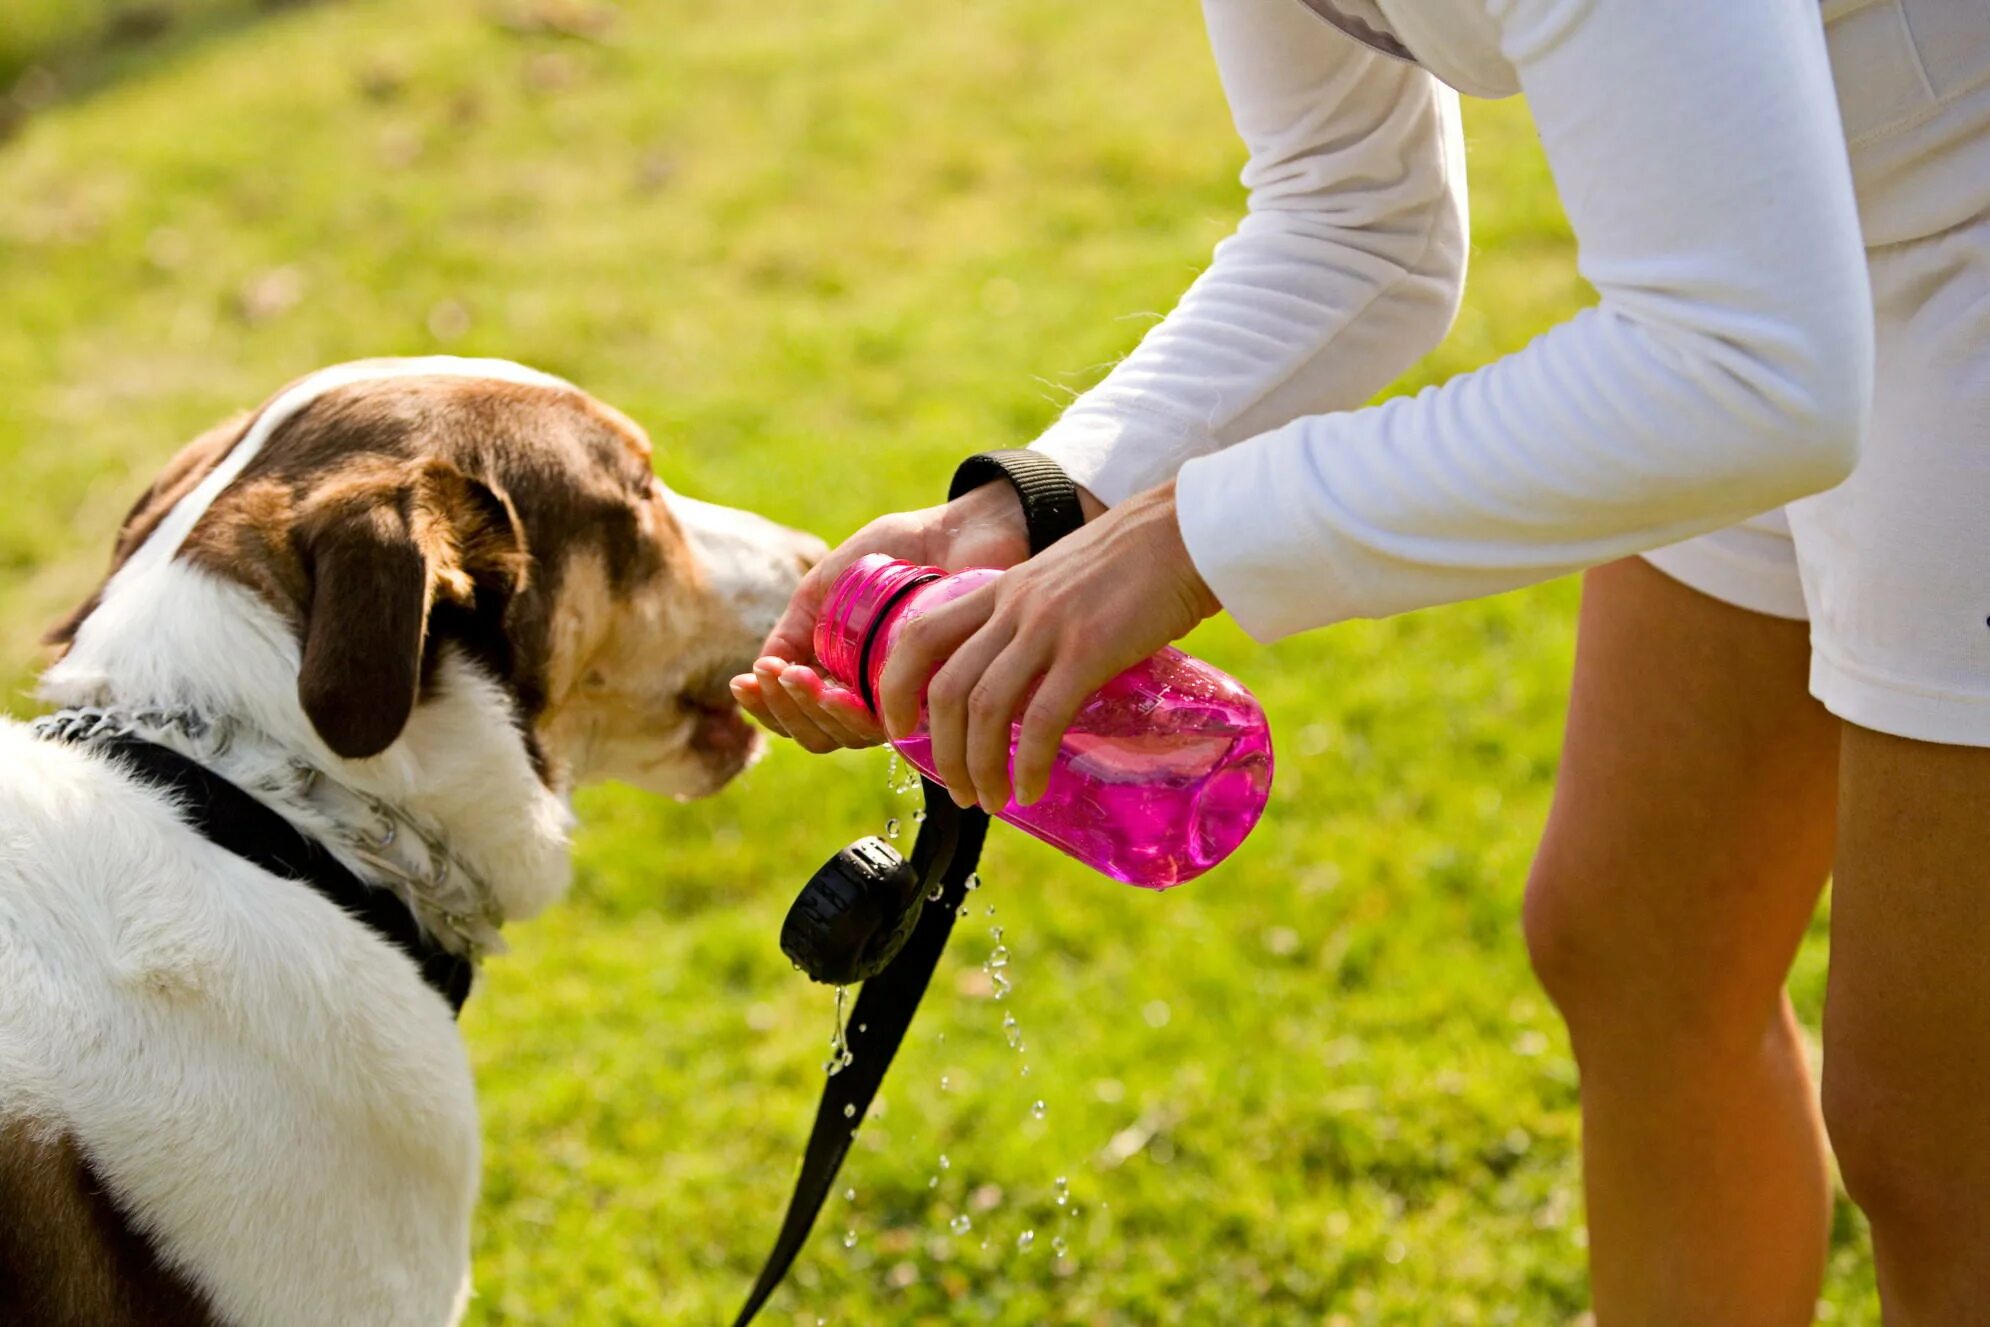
x=409, y=606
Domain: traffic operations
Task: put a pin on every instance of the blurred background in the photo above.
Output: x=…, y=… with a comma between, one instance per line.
x=822, y=249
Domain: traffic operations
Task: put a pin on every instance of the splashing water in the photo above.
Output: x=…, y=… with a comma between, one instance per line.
x=840, y=1054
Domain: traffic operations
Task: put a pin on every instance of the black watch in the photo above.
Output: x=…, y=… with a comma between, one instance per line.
x=1051, y=508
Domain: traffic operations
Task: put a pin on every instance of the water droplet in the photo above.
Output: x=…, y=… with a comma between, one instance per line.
x=933, y=894
x=961, y=911
x=933, y=1182
x=849, y=1110
x=946, y=1083
x=1062, y=1188
x=891, y=828
x=960, y=1225
x=849, y=1195
x=1038, y=1110
x=919, y=816
x=944, y=1163
x=1024, y=1071
x=991, y=910
x=849, y=1239
x=973, y=881
x=1058, y=1246
x=1013, y=1031
x=839, y=1041
x=891, y=773
x=1024, y=1240
x=863, y=1027
x=1002, y=984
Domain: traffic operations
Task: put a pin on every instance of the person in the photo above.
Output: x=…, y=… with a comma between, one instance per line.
x=1785, y=213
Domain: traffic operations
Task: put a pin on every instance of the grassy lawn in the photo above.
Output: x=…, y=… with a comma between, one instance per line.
x=822, y=248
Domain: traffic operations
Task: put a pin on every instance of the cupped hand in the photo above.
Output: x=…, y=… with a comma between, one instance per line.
x=787, y=694
x=1037, y=642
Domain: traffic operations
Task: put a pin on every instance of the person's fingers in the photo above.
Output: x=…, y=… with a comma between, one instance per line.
x=1050, y=711
x=923, y=644
x=794, y=720
x=793, y=637
x=991, y=711
x=746, y=690
x=946, y=708
x=834, y=711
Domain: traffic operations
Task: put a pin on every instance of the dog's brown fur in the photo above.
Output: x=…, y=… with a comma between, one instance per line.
x=68, y=1255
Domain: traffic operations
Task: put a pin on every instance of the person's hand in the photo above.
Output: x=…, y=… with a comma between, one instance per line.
x=1039, y=641
x=784, y=691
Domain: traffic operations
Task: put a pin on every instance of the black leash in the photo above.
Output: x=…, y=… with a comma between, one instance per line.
x=231, y=819
x=857, y=905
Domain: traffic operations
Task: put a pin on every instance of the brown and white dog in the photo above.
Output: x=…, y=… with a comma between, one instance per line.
x=410, y=605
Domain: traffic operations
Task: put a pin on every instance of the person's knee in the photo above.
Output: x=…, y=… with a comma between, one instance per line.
x=1914, y=1194
x=1613, y=967
x=1567, y=940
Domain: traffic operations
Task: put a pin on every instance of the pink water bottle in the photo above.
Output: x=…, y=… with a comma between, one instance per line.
x=1162, y=773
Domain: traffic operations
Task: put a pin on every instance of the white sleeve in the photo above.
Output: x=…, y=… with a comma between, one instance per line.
x=1727, y=369
x=1346, y=270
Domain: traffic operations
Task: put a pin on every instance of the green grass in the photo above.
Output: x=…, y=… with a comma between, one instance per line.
x=822, y=248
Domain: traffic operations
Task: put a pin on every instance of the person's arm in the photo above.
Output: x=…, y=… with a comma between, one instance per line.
x=1346, y=270
x=1727, y=369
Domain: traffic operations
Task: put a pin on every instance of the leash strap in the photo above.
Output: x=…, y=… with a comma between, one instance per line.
x=945, y=854
x=231, y=819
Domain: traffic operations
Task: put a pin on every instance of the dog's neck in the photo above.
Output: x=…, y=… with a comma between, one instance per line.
x=460, y=771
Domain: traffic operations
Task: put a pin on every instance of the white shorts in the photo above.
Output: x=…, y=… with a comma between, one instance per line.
x=1892, y=568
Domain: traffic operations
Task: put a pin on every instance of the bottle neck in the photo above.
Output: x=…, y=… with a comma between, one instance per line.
x=860, y=605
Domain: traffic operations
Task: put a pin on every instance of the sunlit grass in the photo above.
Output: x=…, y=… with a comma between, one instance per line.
x=822, y=248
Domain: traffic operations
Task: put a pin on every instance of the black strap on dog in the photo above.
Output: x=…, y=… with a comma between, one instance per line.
x=945, y=855
x=231, y=819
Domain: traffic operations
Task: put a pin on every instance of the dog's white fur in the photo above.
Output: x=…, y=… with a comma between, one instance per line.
x=268, y=1088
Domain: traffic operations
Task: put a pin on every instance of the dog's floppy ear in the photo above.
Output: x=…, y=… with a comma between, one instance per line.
x=378, y=555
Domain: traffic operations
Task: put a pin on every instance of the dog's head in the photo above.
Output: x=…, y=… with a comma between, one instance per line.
x=399, y=513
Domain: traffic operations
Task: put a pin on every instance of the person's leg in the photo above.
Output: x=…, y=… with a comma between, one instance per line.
x=1907, y=1021
x=1691, y=833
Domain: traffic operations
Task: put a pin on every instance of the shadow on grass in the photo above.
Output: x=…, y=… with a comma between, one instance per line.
x=67, y=50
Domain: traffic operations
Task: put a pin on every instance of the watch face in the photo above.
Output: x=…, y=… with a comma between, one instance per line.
x=1362, y=20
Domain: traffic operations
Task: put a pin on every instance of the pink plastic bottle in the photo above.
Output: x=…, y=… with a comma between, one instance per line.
x=1162, y=774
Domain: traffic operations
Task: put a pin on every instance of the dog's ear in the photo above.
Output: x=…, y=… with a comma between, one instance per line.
x=379, y=555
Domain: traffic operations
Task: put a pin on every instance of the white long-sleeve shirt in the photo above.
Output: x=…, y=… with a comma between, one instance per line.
x=1727, y=368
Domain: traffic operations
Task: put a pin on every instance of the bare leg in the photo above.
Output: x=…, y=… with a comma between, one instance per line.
x=1691, y=832
x=1907, y=1027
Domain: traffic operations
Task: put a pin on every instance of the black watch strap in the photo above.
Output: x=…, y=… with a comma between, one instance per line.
x=1051, y=508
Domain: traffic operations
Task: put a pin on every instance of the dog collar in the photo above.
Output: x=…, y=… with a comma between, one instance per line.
x=436, y=912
